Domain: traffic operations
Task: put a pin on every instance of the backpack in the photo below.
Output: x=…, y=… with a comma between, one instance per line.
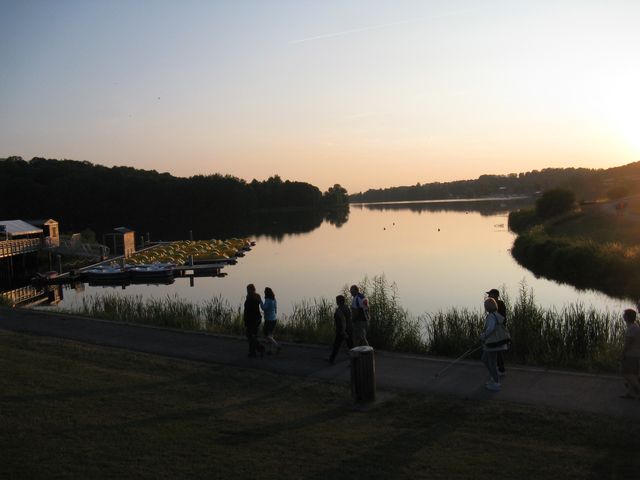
x=499, y=337
x=363, y=314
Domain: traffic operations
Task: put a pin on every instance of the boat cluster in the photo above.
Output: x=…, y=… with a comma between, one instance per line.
x=201, y=251
x=161, y=262
x=115, y=272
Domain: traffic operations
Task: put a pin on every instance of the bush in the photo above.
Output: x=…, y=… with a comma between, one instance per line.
x=555, y=202
x=611, y=268
x=520, y=220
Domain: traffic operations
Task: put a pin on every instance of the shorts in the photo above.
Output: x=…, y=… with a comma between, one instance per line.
x=630, y=366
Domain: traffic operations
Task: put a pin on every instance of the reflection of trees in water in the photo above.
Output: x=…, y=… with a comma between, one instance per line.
x=337, y=217
x=276, y=225
x=484, y=207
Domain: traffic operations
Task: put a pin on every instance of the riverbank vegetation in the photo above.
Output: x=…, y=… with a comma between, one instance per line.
x=573, y=337
x=594, y=246
x=71, y=410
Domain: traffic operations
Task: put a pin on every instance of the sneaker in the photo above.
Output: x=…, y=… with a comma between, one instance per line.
x=493, y=386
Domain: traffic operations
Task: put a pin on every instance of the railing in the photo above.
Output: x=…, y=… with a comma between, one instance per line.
x=23, y=294
x=9, y=248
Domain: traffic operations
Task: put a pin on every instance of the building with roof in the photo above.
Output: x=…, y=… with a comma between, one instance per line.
x=50, y=231
x=18, y=237
x=121, y=241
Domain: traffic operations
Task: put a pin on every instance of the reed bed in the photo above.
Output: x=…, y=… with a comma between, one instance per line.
x=572, y=337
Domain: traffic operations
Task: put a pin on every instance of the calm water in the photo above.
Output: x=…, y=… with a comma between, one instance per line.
x=440, y=255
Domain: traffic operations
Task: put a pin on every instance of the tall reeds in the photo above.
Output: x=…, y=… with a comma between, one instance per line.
x=391, y=327
x=572, y=337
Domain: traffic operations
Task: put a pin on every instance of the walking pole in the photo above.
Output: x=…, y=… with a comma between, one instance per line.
x=464, y=355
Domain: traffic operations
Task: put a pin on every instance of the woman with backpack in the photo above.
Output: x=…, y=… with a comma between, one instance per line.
x=495, y=338
x=270, y=308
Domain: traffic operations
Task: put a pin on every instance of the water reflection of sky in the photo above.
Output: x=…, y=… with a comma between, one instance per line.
x=438, y=258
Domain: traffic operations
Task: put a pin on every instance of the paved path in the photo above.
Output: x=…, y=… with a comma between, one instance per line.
x=551, y=388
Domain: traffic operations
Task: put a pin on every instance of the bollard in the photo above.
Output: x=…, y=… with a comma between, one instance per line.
x=363, y=374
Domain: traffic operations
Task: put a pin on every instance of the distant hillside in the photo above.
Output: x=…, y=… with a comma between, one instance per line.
x=588, y=184
x=83, y=195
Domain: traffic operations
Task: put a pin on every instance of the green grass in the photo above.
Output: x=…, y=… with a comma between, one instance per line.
x=591, y=249
x=574, y=337
x=598, y=226
x=77, y=411
x=611, y=267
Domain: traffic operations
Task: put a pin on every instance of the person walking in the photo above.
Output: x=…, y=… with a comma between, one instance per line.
x=630, y=365
x=270, y=308
x=341, y=318
x=252, y=319
x=502, y=310
x=495, y=339
x=359, y=316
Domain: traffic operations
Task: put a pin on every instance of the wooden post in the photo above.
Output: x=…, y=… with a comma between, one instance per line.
x=59, y=262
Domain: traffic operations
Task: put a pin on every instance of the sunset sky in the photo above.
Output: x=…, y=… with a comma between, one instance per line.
x=368, y=94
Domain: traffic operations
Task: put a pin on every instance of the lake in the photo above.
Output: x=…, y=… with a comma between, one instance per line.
x=439, y=254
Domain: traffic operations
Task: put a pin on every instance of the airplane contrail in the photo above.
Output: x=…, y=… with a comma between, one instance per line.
x=383, y=25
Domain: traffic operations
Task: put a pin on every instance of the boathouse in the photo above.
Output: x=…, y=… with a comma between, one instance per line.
x=122, y=241
x=19, y=245
x=18, y=237
x=50, y=231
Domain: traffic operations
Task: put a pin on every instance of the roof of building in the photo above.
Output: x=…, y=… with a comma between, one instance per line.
x=19, y=227
x=41, y=221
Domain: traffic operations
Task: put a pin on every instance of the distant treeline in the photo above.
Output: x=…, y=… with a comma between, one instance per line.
x=587, y=184
x=82, y=195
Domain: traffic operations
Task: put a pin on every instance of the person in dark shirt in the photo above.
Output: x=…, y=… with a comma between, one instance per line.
x=502, y=310
x=341, y=318
x=252, y=319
